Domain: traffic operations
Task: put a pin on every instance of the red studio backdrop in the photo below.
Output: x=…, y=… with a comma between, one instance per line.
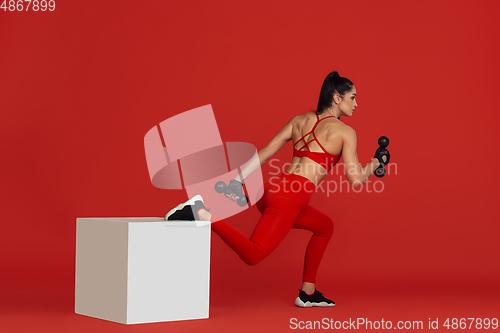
x=81, y=85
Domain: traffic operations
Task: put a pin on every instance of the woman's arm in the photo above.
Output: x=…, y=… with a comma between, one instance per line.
x=356, y=175
x=283, y=136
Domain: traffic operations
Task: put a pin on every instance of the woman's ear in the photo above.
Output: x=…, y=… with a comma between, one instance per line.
x=336, y=98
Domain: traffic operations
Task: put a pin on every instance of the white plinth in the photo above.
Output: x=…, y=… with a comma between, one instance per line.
x=142, y=270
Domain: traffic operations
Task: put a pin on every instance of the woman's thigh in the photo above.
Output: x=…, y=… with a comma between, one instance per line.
x=313, y=219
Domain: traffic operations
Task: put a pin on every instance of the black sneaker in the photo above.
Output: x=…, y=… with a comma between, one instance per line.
x=317, y=299
x=187, y=211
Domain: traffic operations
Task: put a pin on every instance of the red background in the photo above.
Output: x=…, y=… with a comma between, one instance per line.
x=81, y=86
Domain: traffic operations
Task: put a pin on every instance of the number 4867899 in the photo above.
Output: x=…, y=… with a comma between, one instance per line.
x=26, y=5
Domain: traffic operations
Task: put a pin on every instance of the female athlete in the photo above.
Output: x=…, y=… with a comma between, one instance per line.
x=319, y=139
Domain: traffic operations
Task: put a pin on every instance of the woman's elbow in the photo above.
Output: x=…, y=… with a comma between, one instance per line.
x=355, y=182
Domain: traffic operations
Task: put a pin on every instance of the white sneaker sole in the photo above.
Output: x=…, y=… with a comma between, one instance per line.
x=301, y=304
x=179, y=207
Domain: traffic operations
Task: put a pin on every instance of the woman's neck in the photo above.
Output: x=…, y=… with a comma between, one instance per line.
x=330, y=112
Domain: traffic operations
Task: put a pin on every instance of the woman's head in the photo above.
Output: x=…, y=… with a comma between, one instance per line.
x=333, y=84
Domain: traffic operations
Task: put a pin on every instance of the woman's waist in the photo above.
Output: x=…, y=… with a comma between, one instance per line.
x=292, y=178
x=311, y=171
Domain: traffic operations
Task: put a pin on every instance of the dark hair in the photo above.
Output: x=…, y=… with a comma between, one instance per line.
x=333, y=83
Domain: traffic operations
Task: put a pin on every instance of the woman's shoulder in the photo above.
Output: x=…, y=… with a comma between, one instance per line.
x=303, y=117
x=335, y=127
x=346, y=132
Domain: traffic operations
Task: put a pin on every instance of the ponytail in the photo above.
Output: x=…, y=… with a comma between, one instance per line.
x=334, y=83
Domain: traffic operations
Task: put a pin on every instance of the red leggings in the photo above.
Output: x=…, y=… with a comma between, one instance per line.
x=284, y=205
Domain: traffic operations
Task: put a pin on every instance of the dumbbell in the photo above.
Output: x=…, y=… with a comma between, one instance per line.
x=383, y=142
x=234, y=187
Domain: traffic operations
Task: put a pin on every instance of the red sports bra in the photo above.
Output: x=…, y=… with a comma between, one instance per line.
x=325, y=159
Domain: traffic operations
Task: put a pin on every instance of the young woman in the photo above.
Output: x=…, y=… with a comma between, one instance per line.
x=319, y=139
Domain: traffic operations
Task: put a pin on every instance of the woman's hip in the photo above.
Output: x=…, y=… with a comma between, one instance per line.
x=287, y=191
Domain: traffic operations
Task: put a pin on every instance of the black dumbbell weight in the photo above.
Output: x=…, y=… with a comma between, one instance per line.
x=234, y=187
x=383, y=142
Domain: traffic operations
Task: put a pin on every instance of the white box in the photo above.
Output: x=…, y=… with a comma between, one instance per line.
x=142, y=269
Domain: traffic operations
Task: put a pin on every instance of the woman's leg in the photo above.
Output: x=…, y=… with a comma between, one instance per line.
x=322, y=227
x=279, y=207
x=272, y=227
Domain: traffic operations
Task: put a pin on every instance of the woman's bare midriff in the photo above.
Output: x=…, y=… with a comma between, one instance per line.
x=303, y=166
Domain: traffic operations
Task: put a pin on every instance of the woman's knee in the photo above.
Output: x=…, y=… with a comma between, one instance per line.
x=253, y=260
x=327, y=229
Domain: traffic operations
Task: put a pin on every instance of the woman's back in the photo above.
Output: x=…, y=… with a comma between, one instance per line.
x=318, y=134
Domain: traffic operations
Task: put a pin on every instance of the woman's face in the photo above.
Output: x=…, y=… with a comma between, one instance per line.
x=348, y=103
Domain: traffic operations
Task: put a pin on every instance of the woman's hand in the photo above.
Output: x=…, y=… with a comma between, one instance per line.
x=233, y=197
x=234, y=190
